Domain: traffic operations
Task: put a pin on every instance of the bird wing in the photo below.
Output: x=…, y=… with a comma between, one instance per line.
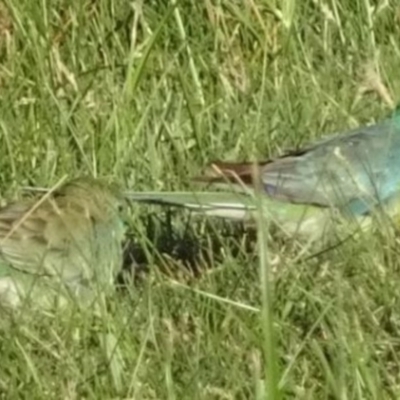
x=41, y=240
x=355, y=170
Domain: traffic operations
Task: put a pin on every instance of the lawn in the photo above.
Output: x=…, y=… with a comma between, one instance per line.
x=146, y=93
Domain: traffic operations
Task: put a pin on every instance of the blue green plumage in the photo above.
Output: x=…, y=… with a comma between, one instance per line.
x=357, y=170
x=350, y=174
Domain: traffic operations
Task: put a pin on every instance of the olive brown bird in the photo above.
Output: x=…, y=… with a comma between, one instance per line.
x=64, y=245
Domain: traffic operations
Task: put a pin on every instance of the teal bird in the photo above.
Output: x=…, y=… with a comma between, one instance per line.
x=64, y=245
x=348, y=175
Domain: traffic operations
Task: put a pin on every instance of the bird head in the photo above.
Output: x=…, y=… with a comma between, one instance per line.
x=98, y=199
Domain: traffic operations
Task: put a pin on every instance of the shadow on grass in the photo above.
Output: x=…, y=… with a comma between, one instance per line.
x=183, y=245
x=186, y=247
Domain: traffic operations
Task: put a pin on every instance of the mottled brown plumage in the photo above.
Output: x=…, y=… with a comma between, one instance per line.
x=69, y=238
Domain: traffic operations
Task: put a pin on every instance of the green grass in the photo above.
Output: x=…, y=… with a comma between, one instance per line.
x=147, y=95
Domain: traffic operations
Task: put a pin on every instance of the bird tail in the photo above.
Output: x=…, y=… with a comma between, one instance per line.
x=218, y=204
x=235, y=202
x=289, y=218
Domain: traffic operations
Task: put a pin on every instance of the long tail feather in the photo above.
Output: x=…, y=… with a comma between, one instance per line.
x=219, y=204
x=291, y=218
